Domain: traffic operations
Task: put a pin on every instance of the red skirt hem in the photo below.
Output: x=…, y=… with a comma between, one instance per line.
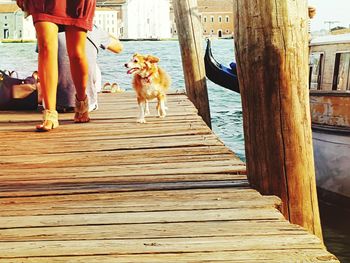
x=81, y=23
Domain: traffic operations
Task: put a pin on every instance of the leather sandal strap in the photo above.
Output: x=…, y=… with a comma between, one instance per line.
x=81, y=106
x=50, y=115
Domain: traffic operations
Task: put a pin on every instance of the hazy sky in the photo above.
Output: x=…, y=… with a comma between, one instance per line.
x=330, y=10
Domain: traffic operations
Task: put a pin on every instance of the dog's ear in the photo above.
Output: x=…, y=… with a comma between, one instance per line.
x=152, y=59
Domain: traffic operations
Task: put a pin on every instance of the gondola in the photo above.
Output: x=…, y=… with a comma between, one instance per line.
x=218, y=73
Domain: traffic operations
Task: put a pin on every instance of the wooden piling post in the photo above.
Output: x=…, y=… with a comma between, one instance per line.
x=271, y=42
x=189, y=30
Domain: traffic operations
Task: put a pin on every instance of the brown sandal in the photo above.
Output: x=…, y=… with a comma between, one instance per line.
x=81, y=110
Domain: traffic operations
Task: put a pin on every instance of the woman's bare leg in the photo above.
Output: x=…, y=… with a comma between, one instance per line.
x=76, y=42
x=47, y=34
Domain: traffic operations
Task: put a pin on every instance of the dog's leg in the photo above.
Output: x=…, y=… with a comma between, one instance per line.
x=161, y=107
x=146, y=108
x=141, y=118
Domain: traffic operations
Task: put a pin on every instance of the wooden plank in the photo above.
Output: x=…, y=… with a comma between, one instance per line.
x=104, y=145
x=169, y=245
x=235, y=197
x=226, y=164
x=27, y=191
x=136, y=201
x=251, y=256
x=140, y=217
x=152, y=230
x=110, y=206
x=108, y=156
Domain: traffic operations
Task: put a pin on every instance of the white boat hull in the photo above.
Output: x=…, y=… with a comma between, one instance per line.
x=332, y=161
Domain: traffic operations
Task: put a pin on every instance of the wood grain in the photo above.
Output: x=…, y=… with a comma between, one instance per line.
x=117, y=191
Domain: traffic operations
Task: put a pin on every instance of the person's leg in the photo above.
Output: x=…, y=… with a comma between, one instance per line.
x=76, y=41
x=48, y=71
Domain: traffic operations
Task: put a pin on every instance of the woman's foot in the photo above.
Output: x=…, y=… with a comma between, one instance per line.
x=81, y=110
x=50, y=121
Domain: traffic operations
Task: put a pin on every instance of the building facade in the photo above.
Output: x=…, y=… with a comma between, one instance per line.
x=107, y=19
x=13, y=24
x=146, y=19
x=216, y=18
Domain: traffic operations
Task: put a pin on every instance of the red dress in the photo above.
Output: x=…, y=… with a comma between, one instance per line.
x=79, y=13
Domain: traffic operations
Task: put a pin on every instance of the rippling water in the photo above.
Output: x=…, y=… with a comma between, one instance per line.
x=225, y=107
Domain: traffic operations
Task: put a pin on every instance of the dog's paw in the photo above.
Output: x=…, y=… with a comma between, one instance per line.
x=162, y=116
x=161, y=113
x=141, y=120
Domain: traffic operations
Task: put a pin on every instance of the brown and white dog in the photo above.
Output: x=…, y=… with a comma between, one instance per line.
x=149, y=82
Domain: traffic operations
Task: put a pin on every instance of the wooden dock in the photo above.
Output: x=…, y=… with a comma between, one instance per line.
x=114, y=190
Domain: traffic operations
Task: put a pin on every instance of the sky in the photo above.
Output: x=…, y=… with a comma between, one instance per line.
x=330, y=10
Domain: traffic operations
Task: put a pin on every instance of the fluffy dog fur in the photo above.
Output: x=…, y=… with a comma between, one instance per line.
x=149, y=82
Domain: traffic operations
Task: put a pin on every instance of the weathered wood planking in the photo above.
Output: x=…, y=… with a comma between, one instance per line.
x=114, y=190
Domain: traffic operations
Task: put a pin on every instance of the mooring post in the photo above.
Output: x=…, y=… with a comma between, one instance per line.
x=189, y=30
x=271, y=42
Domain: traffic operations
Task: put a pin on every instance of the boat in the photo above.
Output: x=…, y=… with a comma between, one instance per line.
x=218, y=73
x=329, y=82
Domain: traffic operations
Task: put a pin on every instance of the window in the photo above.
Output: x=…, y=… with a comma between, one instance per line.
x=220, y=19
x=212, y=19
x=316, y=65
x=219, y=33
x=205, y=19
x=341, y=71
x=227, y=18
x=6, y=33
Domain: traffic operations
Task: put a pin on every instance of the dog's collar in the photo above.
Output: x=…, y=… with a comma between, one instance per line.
x=147, y=78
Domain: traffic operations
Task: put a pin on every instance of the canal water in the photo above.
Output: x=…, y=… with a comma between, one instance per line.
x=225, y=107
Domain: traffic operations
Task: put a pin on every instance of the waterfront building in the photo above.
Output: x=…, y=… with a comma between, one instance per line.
x=14, y=25
x=107, y=19
x=216, y=17
x=141, y=19
x=146, y=19
x=117, y=6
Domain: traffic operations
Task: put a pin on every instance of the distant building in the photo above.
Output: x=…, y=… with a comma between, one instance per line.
x=107, y=19
x=146, y=19
x=115, y=5
x=13, y=25
x=216, y=18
